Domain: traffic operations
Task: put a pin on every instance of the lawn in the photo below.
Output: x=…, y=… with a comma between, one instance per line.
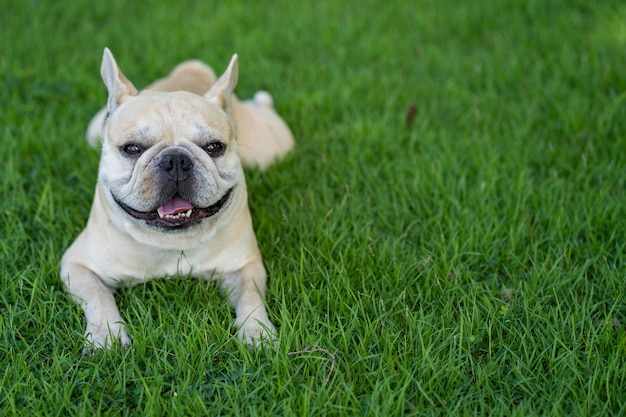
x=447, y=237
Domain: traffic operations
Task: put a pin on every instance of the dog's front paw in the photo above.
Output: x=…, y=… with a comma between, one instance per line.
x=255, y=332
x=105, y=336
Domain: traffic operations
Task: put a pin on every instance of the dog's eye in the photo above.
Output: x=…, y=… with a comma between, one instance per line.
x=215, y=149
x=132, y=149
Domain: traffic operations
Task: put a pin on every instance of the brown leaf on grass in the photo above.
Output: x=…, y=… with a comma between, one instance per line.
x=411, y=112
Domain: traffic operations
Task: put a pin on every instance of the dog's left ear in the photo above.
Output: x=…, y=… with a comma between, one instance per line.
x=221, y=91
x=118, y=85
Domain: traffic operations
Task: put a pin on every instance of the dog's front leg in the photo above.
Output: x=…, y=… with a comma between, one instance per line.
x=246, y=292
x=104, y=323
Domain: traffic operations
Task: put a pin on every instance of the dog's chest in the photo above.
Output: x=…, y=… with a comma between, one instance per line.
x=153, y=264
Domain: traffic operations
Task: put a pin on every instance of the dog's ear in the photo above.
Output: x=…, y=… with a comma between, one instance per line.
x=117, y=84
x=221, y=91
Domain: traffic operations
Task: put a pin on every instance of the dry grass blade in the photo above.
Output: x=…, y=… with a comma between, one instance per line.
x=310, y=349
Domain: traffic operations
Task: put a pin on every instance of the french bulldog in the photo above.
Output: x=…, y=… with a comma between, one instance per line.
x=170, y=200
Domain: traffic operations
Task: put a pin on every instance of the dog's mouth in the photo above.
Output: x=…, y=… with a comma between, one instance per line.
x=176, y=213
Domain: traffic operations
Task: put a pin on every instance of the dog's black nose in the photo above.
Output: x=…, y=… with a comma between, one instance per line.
x=176, y=166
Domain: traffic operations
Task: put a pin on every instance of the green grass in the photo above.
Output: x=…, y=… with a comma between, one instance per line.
x=470, y=263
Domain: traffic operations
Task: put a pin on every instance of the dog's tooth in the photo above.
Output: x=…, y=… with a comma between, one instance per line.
x=177, y=216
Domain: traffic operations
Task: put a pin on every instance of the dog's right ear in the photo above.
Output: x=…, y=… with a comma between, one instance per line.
x=117, y=84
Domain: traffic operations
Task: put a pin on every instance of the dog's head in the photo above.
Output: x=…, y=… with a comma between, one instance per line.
x=169, y=169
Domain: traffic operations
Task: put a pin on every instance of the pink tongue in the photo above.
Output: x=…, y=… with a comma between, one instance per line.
x=174, y=206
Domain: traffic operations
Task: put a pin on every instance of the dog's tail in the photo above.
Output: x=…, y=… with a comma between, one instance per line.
x=263, y=98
